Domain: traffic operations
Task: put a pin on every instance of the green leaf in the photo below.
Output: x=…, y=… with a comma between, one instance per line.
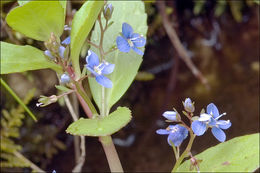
x=240, y=154
x=126, y=64
x=37, y=19
x=62, y=88
x=82, y=23
x=101, y=126
x=16, y=58
x=18, y=99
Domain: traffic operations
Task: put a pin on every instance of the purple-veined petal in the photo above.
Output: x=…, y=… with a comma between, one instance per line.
x=92, y=59
x=61, y=51
x=138, y=40
x=48, y=53
x=137, y=51
x=104, y=81
x=223, y=124
x=66, y=41
x=170, y=115
x=219, y=134
x=205, y=117
x=199, y=128
x=109, y=68
x=162, y=132
x=127, y=30
x=122, y=44
x=213, y=110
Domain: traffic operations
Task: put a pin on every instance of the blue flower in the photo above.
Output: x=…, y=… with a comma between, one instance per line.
x=172, y=116
x=176, y=134
x=130, y=40
x=66, y=41
x=64, y=78
x=99, y=69
x=210, y=119
x=188, y=105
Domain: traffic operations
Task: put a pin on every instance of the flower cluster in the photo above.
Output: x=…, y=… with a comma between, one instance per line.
x=210, y=119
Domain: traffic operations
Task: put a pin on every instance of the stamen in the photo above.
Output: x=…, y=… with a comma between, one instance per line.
x=221, y=115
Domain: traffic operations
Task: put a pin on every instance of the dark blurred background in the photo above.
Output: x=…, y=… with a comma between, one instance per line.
x=222, y=38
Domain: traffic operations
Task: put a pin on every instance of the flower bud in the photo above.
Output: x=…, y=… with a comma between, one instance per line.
x=52, y=44
x=172, y=116
x=44, y=101
x=64, y=78
x=188, y=105
x=48, y=53
x=108, y=11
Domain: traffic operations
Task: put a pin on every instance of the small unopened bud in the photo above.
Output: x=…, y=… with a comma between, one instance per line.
x=44, y=101
x=48, y=53
x=52, y=44
x=172, y=116
x=108, y=11
x=188, y=105
x=64, y=78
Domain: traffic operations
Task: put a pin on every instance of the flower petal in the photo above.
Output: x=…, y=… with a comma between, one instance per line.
x=109, y=68
x=92, y=59
x=137, y=51
x=122, y=44
x=138, y=40
x=198, y=127
x=66, y=41
x=223, y=124
x=127, y=30
x=219, y=134
x=104, y=81
x=205, y=117
x=213, y=110
x=162, y=132
x=177, y=135
x=61, y=51
x=64, y=78
x=170, y=115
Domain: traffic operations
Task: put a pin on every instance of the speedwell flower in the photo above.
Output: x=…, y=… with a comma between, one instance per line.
x=210, y=119
x=176, y=134
x=99, y=69
x=130, y=40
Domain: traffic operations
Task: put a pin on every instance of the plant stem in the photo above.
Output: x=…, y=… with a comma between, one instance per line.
x=32, y=165
x=184, y=154
x=111, y=154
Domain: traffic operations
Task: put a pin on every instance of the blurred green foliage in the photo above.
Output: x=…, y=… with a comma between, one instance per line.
x=236, y=7
x=11, y=122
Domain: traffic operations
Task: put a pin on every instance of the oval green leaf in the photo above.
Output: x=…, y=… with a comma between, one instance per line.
x=37, y=19
x=126, y=64
x=82, y=23
x=101, y=126
x=16, y=58
x=240, y=154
